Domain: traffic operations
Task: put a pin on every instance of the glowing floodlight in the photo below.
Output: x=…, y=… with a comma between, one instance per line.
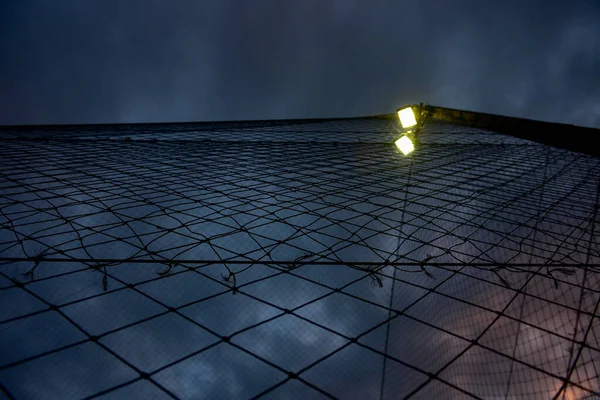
x=405, y=145
x=407, y=117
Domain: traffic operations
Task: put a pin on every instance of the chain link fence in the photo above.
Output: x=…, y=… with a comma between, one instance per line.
x=296, y=260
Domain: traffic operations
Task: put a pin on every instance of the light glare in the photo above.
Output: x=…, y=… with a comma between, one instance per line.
x=407, y=117
x=405, y=145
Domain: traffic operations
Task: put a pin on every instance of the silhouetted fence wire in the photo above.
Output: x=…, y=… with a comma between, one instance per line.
x=467, y=269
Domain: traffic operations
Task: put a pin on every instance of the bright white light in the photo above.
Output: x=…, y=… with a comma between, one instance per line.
x=407, y=117
x=405, y=145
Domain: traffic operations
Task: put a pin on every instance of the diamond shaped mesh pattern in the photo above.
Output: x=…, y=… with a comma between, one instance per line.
x=296, y=260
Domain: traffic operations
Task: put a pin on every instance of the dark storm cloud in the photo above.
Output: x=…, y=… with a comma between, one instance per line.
x=115, y=61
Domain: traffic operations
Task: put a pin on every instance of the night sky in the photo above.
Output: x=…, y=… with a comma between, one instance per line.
x=336, y=191
x=158, y=61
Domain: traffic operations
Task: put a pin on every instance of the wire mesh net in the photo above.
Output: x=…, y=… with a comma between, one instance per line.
x=296, y=260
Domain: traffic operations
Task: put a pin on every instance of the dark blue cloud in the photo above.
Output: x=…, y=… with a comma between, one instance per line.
x=73, y=62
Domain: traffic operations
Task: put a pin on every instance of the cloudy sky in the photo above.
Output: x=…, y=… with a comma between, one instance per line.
x=140, y=61
x=342, y=196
